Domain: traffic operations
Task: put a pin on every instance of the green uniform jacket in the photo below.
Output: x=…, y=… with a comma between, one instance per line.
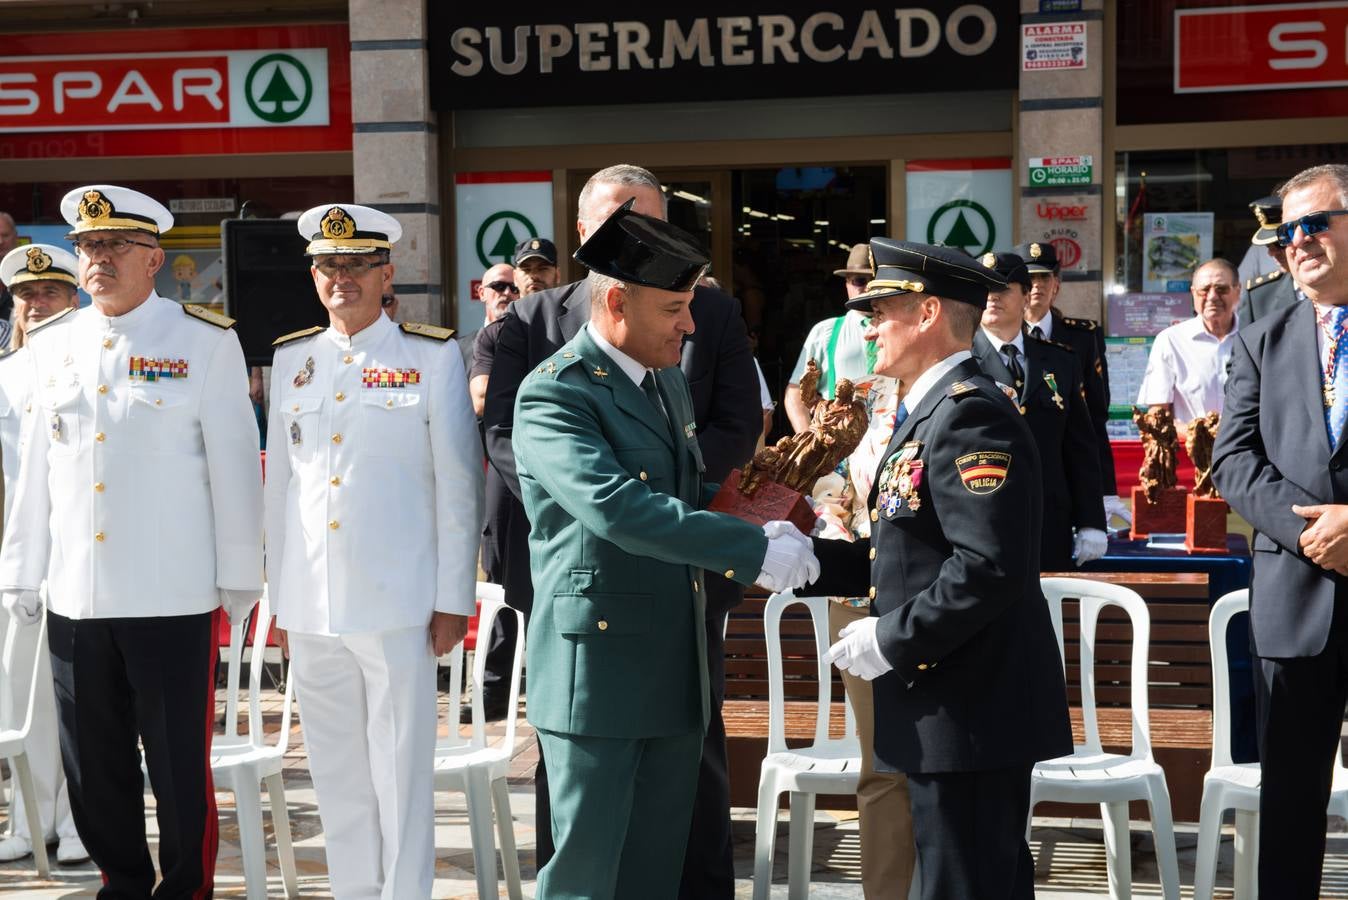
x=617, y=547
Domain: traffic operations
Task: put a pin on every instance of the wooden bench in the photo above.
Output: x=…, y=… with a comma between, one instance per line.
x=1179, y=687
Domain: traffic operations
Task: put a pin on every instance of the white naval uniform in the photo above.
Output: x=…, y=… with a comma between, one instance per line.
x=16, y=382
x=136, y=497
x=374, y=514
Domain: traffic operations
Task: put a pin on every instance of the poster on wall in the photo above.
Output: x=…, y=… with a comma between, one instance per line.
x=1053, y=45
x=963, y=203
x=1146, y=315
x=1174, y=244
x=494, y=211
x=193, y=269
x=1063, y=222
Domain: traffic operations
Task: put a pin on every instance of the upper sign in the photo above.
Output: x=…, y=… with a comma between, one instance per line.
x=485, y=56
x=1251, y=48
x=87, y=88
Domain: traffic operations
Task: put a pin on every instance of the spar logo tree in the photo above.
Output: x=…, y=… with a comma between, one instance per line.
x=275, y=100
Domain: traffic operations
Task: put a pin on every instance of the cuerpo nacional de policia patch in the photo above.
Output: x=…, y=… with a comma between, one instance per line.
x=984, y=471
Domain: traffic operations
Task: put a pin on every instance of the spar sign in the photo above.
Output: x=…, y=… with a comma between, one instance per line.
x=159, y=92
x=1057, y=171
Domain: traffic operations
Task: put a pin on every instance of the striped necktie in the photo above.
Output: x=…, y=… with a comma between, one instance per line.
x=1336, y=377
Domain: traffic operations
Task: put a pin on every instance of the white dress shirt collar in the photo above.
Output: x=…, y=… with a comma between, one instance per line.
x=924, y=382
x=631, y=368
x=367, y=336
x=128, y=320
x=1018, y=340
x=1045, y=325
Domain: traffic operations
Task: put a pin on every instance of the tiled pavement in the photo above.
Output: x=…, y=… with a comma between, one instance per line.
x=1069, y=853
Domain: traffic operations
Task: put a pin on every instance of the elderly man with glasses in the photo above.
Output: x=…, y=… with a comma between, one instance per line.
x=139, y=503
x=1279, y=462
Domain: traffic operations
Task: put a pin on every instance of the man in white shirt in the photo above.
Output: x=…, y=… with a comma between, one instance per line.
x=1187, y=366
x=42, y=280
x=139, y=502
x=373, y=514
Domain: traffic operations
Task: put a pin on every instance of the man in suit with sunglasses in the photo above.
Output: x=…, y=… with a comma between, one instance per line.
x=1279, y=461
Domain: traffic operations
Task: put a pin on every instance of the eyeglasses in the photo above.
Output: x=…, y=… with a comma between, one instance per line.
x=858, y=281
x=331, y=268
x=115, y=246
x=504, y=287
x=1310, y=224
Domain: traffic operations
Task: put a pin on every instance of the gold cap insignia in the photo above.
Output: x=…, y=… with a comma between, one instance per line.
x=337, y=224
x=870, y=259
x=95, y=207
x=533, y=245
x=989, y=260
x=1263, y=218
x=1036, y=251
x=38, y=261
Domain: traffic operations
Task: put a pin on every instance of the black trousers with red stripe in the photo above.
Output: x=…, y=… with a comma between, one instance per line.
x=153, y=679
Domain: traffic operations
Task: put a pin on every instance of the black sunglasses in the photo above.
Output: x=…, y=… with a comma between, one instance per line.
x=502, y=287
x=1311, y=223
x=858, y=281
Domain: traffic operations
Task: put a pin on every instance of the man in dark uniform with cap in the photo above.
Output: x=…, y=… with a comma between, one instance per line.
x=612, y=478
x=535, y=265
x=1267, y=293
x=718, y=362
x=1087, y=340
x=1045, y=378
x=969, y=690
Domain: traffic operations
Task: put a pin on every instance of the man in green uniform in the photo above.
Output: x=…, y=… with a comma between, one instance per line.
x=611, y=477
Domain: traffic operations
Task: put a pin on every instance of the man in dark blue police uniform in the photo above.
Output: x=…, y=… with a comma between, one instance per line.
x=1267, y=293
x=1045, y=378
x=969, y=690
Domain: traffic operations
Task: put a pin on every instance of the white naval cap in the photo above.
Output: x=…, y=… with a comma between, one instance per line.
x=39, y=262
x=106, y=207
x=348, y=228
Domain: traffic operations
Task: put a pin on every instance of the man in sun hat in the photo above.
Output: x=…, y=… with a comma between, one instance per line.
x=968, y=684
x=139, y=501
x=42, y=280
x=373, y=511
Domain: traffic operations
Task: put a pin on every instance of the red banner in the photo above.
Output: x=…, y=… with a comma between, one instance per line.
x=164, y=92
x=1252, y=48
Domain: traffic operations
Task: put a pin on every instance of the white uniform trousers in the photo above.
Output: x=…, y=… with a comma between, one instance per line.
x=367, y=706
x=43, y=740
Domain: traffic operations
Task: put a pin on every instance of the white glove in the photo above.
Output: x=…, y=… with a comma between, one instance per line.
x=24, y=607
x=1091, y=543
x=238, y=603
x=858, y=650
x=1114, y=506
x=789, y=561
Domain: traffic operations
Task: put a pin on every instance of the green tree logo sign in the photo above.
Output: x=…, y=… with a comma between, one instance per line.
x=974, y=233
x=278, y=88
x=502, y=249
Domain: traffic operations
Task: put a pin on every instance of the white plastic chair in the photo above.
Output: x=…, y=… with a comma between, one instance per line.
x=14, y=740
x=1235, y=786
x=477, y=768
x=242, y=763
x=826, y=766
x=1090, y=775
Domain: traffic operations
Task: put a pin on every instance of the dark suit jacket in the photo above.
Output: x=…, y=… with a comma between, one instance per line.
x=1273, y=451
x=717, y=361
x=977, y=682
x=1062, y=431
x=1265, y=295
x=1087, y=340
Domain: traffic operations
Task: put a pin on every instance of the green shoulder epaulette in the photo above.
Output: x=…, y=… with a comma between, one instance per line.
x=1267, y=278
x=205, y=315
x=296, y=335
x=1084, y=324
x=50, y=320
x=434, y=332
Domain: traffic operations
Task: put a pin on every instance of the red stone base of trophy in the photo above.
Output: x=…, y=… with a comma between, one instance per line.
x=1205, y=525
x=770, y=502
x=1165, y=516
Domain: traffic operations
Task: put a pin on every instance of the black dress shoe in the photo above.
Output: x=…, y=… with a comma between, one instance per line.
x=493, y=710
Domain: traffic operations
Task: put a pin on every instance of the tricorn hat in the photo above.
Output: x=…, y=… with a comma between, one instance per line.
x=639, y=249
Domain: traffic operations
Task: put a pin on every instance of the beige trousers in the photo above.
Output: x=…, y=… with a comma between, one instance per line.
x=887, y=849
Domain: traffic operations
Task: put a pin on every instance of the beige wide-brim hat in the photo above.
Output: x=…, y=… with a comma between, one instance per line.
x=858, y=262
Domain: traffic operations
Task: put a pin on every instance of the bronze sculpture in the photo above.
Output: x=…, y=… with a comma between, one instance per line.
x=1160, y=443
x=1200, y=435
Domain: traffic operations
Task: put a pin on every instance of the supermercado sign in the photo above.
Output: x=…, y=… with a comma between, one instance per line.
x=220, y=82
x=728, y=50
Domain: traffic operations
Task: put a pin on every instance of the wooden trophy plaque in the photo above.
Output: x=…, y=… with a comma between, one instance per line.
x=1205, y=511
x=770, y=502
x=1164, y=516
x=1158, y=505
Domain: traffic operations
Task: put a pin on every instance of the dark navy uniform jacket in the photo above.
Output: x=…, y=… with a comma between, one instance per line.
x=953, y=569
x=1054, y=403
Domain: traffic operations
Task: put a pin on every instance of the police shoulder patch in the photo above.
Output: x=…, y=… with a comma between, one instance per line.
x=434, y=332
x=983, y=471
x=208, y=316
x=296, y=335
x=50, y=320
x=959, y=389
x=1083, y=324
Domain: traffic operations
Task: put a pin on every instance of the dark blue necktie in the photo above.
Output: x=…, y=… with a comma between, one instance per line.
x=900, y=415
